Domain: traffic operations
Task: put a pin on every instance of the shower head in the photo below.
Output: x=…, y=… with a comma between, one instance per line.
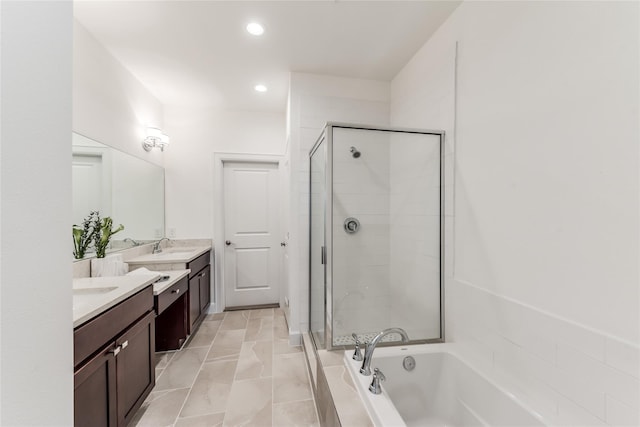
x=354, y=152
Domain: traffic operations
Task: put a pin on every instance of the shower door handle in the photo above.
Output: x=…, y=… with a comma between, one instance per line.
x=322, y=255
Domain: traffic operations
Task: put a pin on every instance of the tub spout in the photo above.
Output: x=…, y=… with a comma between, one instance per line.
x=370, y=347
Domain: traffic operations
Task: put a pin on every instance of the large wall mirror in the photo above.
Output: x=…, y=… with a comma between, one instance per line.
x=124, y=187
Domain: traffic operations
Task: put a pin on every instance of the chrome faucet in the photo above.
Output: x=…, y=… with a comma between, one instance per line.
x=156, y=247
x=368, y=352
x=133, y=242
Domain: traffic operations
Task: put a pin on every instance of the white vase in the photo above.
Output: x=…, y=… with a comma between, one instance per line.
x=108, y=266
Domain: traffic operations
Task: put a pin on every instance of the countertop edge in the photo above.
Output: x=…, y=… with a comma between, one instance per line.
x=147, y=259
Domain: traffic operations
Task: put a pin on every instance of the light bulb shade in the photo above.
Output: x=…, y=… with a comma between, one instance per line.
x=155, y=138
x=154, y=132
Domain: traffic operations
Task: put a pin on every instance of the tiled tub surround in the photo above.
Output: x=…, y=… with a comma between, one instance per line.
x=440, y=390
x=572, y=374
x=237, y=369
x=335, y=394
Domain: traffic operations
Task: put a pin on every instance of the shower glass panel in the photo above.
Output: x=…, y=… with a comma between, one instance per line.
x=382, y=234
x=317, y=190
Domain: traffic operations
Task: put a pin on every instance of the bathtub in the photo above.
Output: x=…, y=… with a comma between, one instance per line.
x=442, y=390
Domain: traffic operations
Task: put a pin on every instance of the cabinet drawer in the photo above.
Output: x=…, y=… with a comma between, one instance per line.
x=199, y=263
x=168, y=297
x=91, y=336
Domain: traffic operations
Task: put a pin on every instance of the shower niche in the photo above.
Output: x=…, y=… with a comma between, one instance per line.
x=375, y=234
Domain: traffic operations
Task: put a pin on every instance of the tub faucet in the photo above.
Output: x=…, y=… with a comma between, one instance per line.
x=368, y=352
x=156, y=247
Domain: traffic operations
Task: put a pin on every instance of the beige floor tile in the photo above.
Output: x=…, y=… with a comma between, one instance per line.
x=163, y=359
x=214, y=316
x=211, y=420
x=278, y=312
x=205, y=334
x=182, y=369
x=161, y=408
x=234, y=320
x=260, y=329
x=290, y=380
x=255, y=360
x=280, y=328
x=226, y=345
x=263, y=312
x=301, y=413
x=281, y=346
x=211, y=389
x=250, y=403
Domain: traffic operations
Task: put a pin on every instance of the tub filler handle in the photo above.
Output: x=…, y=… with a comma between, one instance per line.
x=357, y=354
x=375, y=383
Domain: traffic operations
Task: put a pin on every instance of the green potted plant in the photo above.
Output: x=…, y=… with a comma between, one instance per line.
x=103, y=230
x=83, y=236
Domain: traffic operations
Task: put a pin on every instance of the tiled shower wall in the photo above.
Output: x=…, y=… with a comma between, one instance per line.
x=361, y=268
x=541, y=283
x=414, y=204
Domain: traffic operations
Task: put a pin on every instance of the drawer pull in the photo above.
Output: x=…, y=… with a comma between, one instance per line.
x=125, y=344
x=116, y=350
x=175, y=291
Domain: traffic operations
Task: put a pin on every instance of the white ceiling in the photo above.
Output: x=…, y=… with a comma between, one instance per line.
x=198, y=53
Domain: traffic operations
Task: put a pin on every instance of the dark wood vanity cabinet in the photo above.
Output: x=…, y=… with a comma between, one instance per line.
x=199, y=289
x=114, y=359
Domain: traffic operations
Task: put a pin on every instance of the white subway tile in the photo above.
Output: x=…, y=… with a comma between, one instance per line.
x=579, y=389
x=572, y=414
x=619, y=414
x=598, y=376
x=622, y=356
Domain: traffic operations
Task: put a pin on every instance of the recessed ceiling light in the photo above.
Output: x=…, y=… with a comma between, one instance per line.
x=260, y=88
x=255, y=29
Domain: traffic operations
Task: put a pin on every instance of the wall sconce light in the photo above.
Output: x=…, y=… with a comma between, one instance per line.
x=155, y=138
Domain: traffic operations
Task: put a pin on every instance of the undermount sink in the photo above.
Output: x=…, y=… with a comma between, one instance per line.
x=94, y=291
x=172, y=254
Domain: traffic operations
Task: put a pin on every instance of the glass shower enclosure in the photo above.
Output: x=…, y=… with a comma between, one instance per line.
x=375, y=234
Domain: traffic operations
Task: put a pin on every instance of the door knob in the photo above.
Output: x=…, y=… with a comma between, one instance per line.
x=283, y=243
x=228, y=242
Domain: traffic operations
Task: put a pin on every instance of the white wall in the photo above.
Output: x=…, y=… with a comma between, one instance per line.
x=109, y=104
x=36, y=369
x=313, y=101
x=542, y=266
x=197, y=134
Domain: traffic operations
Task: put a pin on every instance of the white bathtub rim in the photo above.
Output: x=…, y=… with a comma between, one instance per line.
x=379, y=407
x=386, y=408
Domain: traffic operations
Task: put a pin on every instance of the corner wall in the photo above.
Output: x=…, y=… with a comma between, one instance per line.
x=36, y=325
x=313, y=101
x=542, y=220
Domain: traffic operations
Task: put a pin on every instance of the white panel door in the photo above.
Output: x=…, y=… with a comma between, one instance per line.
x=252, y=257
x=87, y=186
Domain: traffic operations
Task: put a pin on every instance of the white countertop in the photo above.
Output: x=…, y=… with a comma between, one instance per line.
x=94, y=295
x=174, y=276
x=171, y=255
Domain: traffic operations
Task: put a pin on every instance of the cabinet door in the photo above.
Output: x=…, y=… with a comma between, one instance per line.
x=135, y=366
x=194, y=301
x=94, y=394
x=205, y=288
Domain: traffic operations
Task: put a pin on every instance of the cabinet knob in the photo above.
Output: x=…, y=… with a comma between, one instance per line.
x=125, y=344
x=116, y=350
x=175, y=291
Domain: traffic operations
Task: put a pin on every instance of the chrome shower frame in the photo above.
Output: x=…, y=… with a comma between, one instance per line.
x=327, y=137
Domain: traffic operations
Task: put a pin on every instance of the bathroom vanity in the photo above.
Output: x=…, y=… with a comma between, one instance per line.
x=114, y=348
x=197, y=261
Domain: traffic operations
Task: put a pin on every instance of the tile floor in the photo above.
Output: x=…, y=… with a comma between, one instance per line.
x=237, y=370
